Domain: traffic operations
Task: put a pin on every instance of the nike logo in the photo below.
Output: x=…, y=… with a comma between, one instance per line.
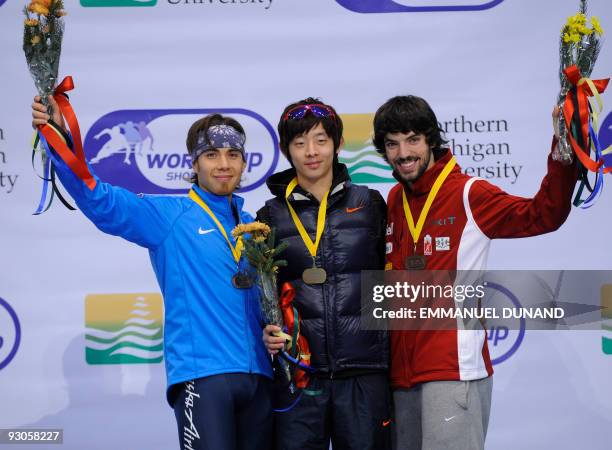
x=352, y=210
x=448, y=419
x=201, y=231
x=386, y=423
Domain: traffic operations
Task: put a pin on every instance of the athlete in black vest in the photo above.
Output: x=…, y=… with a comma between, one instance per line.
x=343, y=233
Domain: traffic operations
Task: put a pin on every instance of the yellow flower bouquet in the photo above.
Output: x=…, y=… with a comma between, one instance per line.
x=43, y=30
x=579, y=46
x=257, y=242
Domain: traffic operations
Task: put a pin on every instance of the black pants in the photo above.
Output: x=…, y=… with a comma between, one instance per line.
x=231, y=411
x=354, y=413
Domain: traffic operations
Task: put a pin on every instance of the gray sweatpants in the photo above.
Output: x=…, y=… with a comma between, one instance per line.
x=442, y=415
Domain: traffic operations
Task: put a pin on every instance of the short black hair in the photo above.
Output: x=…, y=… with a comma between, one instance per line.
x=289, y=129
x=405, y=114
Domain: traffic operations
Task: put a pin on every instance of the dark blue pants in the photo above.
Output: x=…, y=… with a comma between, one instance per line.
x=231, y=411
x=353, y=413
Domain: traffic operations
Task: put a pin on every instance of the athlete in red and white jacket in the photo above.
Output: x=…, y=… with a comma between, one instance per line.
x=466, y=214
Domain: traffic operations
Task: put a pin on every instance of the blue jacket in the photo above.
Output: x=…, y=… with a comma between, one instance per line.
x=210, y=326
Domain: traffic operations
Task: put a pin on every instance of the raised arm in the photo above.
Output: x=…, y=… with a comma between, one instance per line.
x=501, y=215
x=143, y=220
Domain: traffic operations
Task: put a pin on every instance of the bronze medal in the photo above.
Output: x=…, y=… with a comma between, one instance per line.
x=242, y=281
x=314, y=275
x=416, y=262
x=419, y=262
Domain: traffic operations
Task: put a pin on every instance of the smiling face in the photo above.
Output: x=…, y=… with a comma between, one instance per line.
x=409, y=155
x=312, y=154
x=219, y=170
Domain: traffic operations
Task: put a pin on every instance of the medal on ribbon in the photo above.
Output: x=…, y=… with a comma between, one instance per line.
x=240, y=280
x=314, y=274
x=414, y=261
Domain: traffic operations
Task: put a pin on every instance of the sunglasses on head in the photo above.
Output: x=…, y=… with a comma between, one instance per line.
x=301, y=111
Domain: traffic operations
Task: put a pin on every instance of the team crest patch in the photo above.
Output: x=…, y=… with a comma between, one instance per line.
x=388, y=247
x=442, y=244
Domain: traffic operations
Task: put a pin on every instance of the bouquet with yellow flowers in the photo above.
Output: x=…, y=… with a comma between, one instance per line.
x=579, y=101
x=43, y=31
x=261, y=253
x=256, y=240
x=579, y=46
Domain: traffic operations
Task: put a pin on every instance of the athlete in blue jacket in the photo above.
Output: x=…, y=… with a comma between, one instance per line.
x=217, y=366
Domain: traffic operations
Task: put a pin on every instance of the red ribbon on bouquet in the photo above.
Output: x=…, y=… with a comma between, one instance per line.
x=582, y=91
x=299, y=345
x=75, y=159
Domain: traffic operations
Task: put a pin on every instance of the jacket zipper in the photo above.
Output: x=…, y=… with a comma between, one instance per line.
x=328, y=317
x=246, y=327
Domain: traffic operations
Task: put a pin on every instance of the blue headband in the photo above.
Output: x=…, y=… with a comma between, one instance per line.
x=219, y=136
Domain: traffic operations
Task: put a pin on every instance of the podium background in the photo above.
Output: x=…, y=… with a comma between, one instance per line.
x=169, y=62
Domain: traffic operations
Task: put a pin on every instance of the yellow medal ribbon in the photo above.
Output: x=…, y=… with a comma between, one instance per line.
x=236, y=250
x=415, y=231
x=311, y=246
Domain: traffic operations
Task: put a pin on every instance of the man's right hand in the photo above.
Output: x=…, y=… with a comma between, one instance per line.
x=40, y=116
x=273, y=344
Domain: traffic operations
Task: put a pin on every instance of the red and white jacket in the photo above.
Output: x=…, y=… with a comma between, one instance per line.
x=466, y=214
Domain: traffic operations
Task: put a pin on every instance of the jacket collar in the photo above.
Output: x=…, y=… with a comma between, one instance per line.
x=219, y=204
x=278, y=183
x=424, y=184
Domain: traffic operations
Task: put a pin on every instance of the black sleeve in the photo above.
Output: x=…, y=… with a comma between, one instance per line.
x=263, y=215
x=380, y=210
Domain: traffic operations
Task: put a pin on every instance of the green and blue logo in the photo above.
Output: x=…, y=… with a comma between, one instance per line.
x=365, y=165
x=124, y=329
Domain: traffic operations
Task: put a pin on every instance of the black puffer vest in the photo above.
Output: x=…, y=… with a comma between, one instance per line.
x=353, y=240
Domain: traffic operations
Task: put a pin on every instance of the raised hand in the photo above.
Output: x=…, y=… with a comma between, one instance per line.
x=40, y=116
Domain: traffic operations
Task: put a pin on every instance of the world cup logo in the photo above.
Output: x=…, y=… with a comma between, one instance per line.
x=144, y=151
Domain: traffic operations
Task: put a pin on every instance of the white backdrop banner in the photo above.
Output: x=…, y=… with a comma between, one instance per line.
x=146, y=69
